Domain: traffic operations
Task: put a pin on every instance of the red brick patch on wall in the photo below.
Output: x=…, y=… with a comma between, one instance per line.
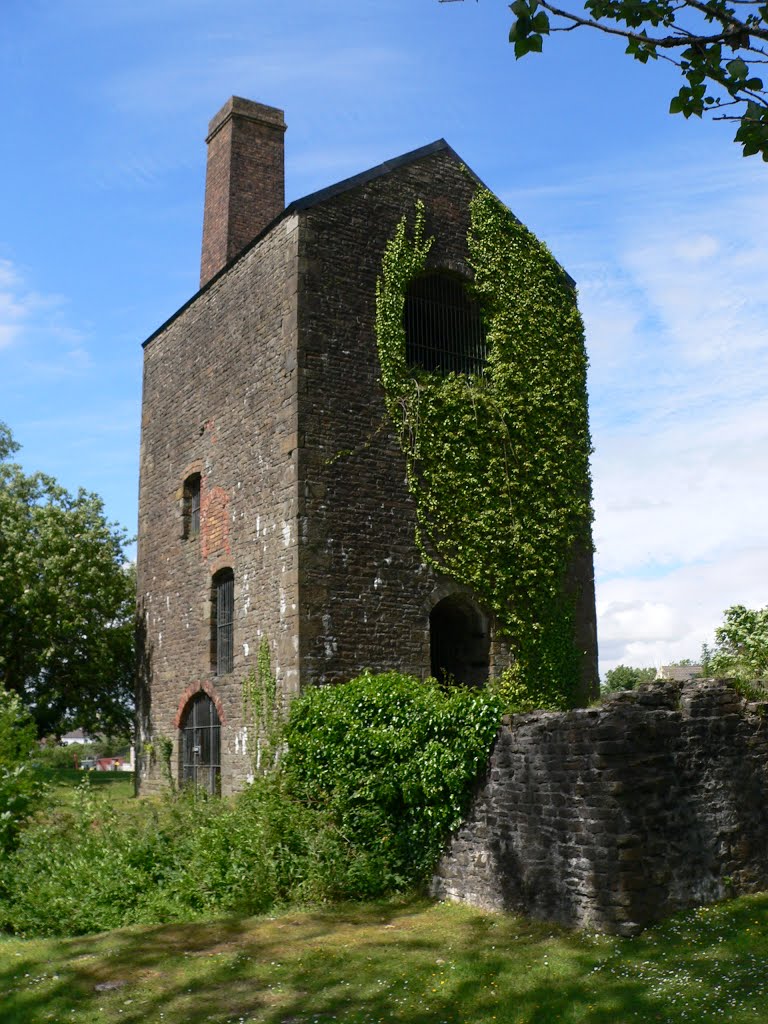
x=214, y=522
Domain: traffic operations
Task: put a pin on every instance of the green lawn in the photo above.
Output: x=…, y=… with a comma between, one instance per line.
x=411, y=963
x=116, y=786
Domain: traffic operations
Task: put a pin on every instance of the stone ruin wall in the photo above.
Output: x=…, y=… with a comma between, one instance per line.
x=614, y=817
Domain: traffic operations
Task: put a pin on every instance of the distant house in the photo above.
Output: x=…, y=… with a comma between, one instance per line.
x=679, y=673
x=77, y=736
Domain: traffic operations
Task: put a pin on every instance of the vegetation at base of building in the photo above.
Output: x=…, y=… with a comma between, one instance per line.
x=264, y=712
x=626, y=677
x=400, y=961
x=378, y=772
x=719, y=48
x=391, y=760
x=67, y=599
x=92, y=867
x=498, y=463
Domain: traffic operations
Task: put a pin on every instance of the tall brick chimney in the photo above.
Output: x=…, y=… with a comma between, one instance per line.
x=244, y=182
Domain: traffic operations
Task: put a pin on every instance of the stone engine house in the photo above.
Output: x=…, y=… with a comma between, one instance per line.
x=273, y=502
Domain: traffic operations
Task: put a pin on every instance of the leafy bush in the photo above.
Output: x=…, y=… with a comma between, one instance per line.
x=55, y=757
x=740, y=650
x=20, y=787
x=392, y=760
x=378, y=772
x=90, y=868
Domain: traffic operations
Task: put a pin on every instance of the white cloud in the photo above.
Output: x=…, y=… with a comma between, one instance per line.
x=33, y=332
x=19, y=305
x=672, y=288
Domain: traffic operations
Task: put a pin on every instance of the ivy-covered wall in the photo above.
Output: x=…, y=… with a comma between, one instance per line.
x=498, y=462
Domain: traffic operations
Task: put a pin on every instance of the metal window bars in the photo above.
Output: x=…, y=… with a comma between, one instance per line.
x=444, y=330
x=200, y=747
x=224, y=585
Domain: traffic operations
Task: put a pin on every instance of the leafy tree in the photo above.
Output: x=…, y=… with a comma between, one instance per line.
x=624, y=677
x=741, y=645
x=20, y=788
x=718, y=47
x=66, y=603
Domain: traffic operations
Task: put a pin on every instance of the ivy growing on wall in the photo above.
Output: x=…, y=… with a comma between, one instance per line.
x=498, y=463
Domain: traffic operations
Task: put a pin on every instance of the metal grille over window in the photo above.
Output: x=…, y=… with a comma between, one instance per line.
x=192, y=506
x=200, y=748
x=224, y=621
x=444, y=331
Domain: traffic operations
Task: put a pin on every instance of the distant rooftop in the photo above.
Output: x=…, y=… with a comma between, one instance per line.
x=679, y=673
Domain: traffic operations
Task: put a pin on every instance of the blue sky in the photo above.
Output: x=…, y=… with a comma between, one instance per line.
x=660, y=221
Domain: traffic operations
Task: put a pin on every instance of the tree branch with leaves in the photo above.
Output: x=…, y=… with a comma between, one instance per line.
x=718, y=47
x=67, y=601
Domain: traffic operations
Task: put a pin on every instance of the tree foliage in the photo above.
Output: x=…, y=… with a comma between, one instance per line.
x=741, y=645
x=66, y=603
x=20, y=788
x=719, y=47
x=626, y=677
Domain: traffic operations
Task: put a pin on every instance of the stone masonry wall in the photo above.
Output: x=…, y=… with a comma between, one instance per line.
x=613, y=817
x=366, y=594
x=220, y=399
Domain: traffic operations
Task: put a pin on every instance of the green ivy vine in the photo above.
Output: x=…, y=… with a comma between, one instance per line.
x=498, y=463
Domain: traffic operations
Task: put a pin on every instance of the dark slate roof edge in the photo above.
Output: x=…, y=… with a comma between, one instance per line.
x=439, y=145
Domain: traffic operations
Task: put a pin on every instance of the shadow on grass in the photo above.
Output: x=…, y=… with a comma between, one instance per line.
x=407, y=962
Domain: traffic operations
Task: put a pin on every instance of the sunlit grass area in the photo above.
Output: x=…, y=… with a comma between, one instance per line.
x=116, y=786
x=409, y=962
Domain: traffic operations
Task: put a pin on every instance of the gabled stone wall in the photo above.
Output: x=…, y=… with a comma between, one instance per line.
x=614, y=817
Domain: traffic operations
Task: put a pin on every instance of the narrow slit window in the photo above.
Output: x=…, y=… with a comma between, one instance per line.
x=191, y=510
x=223, y=622
x=444, y=330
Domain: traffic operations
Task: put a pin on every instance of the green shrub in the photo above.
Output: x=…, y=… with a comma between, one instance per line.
x=20, y=786
x=392, y=759
x=57, y=757
x=378, y=772
x=91, y=868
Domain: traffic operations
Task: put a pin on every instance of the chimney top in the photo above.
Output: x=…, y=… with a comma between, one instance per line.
x=236, y=106
x=245, y=180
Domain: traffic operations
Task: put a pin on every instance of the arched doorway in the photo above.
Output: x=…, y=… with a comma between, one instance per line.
x=459, y=643
x=200, y=747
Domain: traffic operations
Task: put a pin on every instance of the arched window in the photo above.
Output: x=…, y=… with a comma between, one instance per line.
x=200, y=747
x=444, y=331
x=223, y=622
x=191, y=507
x=459, y=643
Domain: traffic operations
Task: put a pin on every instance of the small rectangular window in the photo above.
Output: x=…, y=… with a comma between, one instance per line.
x=224, y=621
x=191, y=507
x=194, y=510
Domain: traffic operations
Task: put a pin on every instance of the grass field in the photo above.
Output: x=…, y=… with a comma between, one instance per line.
x=411, y=963
x=116, y=786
